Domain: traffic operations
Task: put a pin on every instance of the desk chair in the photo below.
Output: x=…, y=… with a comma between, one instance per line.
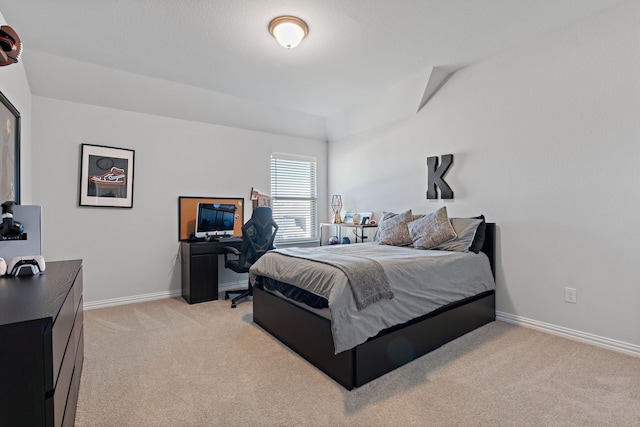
x=258, y=235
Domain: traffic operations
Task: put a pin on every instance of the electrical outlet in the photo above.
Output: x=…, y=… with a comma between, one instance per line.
x=571, y=295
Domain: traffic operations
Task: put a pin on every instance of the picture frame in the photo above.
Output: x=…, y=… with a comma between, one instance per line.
x=10, y=151
x=363, y=218
x=106, y=176
x=348, y=217
x=259, y=198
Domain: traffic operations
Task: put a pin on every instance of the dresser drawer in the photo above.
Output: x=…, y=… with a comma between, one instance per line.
x=77, y=331
x=77, y=290
x=66, y=372
x=55, y=405
x=60, y=335
x=70, y=410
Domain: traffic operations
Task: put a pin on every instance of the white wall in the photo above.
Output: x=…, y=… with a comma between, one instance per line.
x=546, y=144
x=14, y=85
x=132, y=252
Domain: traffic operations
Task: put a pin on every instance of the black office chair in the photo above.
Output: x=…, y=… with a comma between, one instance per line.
x=258, y=235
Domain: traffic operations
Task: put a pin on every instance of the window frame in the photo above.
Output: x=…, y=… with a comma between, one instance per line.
x=287, y=192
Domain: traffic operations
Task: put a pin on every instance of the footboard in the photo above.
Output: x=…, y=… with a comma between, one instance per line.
x=304, y=332
x=309, y=335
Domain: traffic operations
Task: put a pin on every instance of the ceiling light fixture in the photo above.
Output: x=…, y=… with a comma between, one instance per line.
x=288, y=30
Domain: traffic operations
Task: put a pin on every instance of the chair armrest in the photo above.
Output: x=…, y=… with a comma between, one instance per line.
x=229, y=249
x=226, y=250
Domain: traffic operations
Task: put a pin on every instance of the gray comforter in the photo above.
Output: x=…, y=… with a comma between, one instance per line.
x=421, y=281
x=365, y=276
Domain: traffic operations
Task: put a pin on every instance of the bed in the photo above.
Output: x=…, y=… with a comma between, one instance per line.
x=309, y=332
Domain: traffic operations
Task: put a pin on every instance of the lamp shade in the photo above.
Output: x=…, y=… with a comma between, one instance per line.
x=336, y=202
x=288, y=30
x=336, y=205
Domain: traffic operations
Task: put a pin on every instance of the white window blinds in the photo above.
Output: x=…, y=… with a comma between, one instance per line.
x=294, y=197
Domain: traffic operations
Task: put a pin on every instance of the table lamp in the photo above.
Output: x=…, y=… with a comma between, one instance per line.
x=336, y=205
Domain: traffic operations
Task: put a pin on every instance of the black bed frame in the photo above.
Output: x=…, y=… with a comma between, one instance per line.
x=309, y=334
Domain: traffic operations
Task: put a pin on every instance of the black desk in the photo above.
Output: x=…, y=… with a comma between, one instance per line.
x=200, y=269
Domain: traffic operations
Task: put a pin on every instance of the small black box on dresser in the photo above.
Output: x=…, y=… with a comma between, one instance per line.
x=41, y=346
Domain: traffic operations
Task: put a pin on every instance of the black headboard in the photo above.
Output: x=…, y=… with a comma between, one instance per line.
x=489, y=246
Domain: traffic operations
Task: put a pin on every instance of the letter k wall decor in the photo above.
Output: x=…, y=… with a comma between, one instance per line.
x=436, y=177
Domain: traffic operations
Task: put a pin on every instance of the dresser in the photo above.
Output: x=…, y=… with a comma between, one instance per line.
x=41, y=346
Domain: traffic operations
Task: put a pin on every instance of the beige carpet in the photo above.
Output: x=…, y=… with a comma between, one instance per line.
x=168, y=363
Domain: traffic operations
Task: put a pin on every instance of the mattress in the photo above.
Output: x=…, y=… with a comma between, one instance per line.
x=421, y=281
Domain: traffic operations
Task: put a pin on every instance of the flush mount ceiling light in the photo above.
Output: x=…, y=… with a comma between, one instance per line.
x=288, y=30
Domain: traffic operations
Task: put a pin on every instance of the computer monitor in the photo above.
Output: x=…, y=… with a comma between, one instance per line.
x=214, y=219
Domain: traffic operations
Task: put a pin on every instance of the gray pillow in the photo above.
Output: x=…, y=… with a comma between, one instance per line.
x=385, y=215
x=432, y=230
x=466, y=229
x=393, y=229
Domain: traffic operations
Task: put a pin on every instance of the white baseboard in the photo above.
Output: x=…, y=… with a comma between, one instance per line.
x=154, y=296
x=130, y=300
x=608, y=343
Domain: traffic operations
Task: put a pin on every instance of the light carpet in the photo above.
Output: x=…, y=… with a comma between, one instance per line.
x=168, y=363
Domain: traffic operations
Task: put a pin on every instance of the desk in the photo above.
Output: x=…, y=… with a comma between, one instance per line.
x=200, y=269
x=358, y=228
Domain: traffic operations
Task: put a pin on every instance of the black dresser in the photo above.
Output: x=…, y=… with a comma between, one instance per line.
x=41, y=346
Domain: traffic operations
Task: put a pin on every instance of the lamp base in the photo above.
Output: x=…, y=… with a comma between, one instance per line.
x=337, y=219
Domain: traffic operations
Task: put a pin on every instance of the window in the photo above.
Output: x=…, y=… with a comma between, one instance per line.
x=294, y=197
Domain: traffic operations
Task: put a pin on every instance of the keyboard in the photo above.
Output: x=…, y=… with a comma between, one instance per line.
x=230, y=239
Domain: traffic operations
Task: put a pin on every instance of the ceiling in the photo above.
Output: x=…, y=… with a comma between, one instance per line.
x=355, y=48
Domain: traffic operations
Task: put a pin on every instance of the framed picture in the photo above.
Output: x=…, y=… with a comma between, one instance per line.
x=362, y=218
x=10, y=153
x=106, y=176
x=348, y=217
x=365, y=217
x=259, y=198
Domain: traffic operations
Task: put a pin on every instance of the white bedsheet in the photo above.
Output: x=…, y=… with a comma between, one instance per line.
x=421, y=280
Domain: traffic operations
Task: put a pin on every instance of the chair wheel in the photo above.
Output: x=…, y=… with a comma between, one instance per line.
x=233, y=305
